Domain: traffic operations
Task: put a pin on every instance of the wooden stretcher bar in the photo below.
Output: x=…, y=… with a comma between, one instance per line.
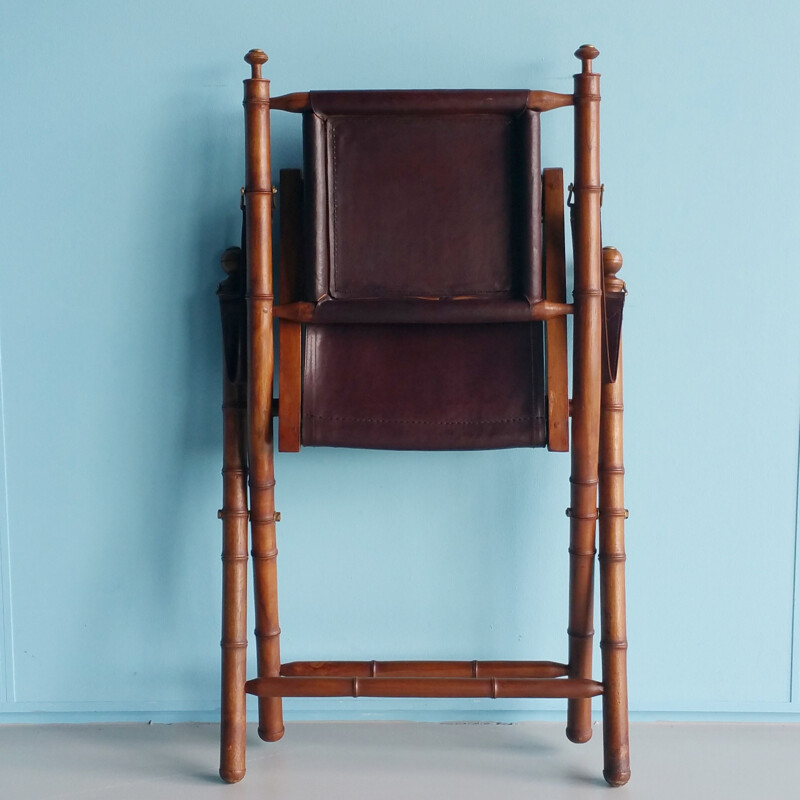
x=425, y=669
x=423, y=687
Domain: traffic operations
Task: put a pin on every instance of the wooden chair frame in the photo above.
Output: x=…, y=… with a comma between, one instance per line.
x=597, y=473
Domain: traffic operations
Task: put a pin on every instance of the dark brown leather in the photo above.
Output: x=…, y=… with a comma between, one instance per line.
x=612, y=333
x=422, y=194
x=422, y=208
x=315, y=210
x=424, y=387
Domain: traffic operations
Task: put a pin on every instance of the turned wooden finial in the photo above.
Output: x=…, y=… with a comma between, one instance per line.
x=587, y=53
x=255, y=58
x=231, y=260
x=612, y=264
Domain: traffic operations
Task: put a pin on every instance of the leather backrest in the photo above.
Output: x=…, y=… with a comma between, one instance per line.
x=422, y=194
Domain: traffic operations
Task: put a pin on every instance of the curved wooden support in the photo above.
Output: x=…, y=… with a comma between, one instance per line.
x=587, y=352
x=611, y=506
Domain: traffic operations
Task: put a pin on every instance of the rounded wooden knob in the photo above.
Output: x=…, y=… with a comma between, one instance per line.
x=612, y=261
x=587, y=53
x=232, y=259
x=255, y=58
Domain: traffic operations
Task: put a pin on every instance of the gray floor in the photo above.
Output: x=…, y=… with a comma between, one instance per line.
x=387, y=760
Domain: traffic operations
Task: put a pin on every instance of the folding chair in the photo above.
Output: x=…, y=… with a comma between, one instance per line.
x=423, y=306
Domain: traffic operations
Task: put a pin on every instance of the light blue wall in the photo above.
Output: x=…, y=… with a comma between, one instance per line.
x=121, y=165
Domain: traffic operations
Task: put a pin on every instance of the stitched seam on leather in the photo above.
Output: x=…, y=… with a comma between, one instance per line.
x=421, y=421
x=335, y=238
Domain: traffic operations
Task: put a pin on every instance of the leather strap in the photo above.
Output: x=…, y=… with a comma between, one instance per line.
x=612, y=333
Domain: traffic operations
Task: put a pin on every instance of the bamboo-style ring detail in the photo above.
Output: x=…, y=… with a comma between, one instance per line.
x=271, y=634
x=615, y=512
x=574, y=515
x=261, y=484
x=238, y=645
x=263, y=520
x=574, y=551
x=582, y=635
x=234, y=471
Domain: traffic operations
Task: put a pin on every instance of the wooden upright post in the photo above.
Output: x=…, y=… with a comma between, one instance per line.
x=587, y=349
x=258, y=212
x=233, y=716
x=613, y=639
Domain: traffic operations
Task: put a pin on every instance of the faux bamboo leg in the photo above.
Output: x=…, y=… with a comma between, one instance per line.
x=258, y=210
x=234, y=583
x=587, y=338
x=613, y=643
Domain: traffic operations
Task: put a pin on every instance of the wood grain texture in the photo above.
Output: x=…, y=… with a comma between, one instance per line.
x=555, y=286
x=613, y=639
x=234, y=582
x=587, y=337
x=423, y=687
x=426, y=669
x=258, y=210
x=547, y=101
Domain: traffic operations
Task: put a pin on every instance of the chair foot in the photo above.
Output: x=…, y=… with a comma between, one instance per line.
x=271, y=736
x=579, y=735
x=616, y=778
x=231, y=776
